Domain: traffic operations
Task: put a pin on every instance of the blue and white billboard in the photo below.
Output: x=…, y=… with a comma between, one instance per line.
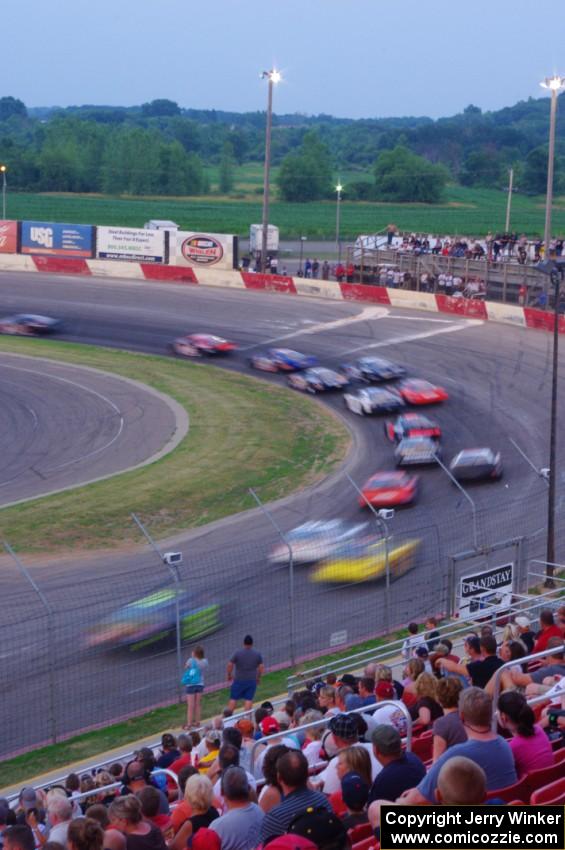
x=54, y=239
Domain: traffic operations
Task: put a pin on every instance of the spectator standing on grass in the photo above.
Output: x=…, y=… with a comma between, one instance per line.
x=315, y=268
x=308, y=267
x=325, y=270
x=244, y=670
x=193, y=679
x=412, y=642
x=530, y=745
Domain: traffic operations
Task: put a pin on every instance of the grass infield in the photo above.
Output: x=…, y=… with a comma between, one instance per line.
x=243, y=433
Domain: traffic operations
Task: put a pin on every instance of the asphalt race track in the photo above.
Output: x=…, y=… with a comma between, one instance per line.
x=62, y=426
x=499, y=383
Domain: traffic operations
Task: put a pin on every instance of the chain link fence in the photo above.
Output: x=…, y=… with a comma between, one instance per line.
x=88, y=650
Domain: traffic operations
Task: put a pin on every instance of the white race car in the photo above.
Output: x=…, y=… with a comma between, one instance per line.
x=314, y=540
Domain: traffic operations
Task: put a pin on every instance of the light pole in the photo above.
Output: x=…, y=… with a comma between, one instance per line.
x=273, y=76
x=554, y=84
x=339, y=189
x=302, y=241
x=3, y=169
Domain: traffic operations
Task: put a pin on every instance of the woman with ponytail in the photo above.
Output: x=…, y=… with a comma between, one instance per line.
x=529, y=743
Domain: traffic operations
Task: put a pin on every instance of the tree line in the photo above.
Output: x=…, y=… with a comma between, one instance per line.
x=157, y=148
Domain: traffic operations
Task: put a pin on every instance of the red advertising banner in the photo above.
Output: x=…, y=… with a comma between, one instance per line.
x=8, y=237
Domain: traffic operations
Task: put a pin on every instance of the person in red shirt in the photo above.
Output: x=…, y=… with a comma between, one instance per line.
x=548, y=630
x=184, y=744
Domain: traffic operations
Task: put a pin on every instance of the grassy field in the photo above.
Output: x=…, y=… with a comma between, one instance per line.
x=465, y=211
x=243, y=433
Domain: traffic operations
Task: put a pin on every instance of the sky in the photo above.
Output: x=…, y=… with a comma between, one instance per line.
x=348, y=58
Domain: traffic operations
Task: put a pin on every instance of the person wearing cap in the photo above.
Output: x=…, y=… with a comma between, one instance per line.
x=240, y=826
x=400, y=770
x=354, y=793
x=292, y=777
x=325, y=829
x=344, y=732
x=525, y=633
x=385, y=692
x=244, y=671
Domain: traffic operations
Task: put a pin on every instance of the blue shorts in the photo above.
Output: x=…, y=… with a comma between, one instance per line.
x=243, y=689
x=194, y=689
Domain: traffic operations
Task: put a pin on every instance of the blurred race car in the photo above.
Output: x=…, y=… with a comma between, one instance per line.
x=195, y=345
x=476, y=464
x=367, y=561
x=411, y=425
x=29, y=324
x=315, y=540
x=416, y=450
x=373, y=400
x=151, y=619
x=416, y=391
x=282, y=360
x=317, y=380
x=373, y=369
x=387, y=489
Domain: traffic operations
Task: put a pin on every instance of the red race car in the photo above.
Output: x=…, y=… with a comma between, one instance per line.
x=195, y=345
x=416, y=391
x=387, y=489
x=411, y=425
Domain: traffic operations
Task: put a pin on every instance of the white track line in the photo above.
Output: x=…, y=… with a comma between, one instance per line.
x=471, y=323
x=87, y=390
x=367, y=314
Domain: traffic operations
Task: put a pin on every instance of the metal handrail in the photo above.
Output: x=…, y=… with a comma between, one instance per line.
x=520, y=661
x=103, y=789
x=326, y=720
x=392, y=647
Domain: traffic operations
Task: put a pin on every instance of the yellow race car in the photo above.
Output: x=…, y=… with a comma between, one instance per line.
x=367, y=561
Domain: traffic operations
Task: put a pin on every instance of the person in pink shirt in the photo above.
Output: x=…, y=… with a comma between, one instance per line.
x=529, y=744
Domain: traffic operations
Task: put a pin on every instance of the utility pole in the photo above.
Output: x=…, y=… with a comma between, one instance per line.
x=509, y=201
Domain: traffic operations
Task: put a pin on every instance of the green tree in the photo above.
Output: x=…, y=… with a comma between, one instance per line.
x=534, y=179
x=482, y=168
x=306, y=175
x=11, y=106
x=401, y=175
x=160, y=107
x=225, y=182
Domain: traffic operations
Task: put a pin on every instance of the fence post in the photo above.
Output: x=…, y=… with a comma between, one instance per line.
x=50, y=641
x=384, y=527
x=292, y=636
x=173, y=569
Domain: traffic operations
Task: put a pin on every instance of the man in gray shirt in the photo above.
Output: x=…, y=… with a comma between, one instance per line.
x=239, y=828
x=244, y=671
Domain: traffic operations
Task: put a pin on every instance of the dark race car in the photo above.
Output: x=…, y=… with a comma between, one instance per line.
x=152, y=619
x=282, y=360
x=195, y=345
x=29, y=324
x=373, y=400
x=416, y=450
x=317, y=380
x=374, y=369
x=411, y=425
x=476, y=464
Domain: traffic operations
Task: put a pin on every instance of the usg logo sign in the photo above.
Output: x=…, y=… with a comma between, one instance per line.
x=42, y=236
x=204, y=250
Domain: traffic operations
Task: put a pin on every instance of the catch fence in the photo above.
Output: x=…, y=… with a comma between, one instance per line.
x=94, y=649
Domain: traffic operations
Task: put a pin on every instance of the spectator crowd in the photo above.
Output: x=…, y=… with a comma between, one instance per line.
x=314, y=772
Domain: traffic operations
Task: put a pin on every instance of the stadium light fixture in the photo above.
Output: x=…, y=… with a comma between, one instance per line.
x=273, y=77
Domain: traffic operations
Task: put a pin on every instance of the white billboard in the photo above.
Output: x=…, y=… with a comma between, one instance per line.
x=131, y=243
x=486, y=592
x=197, y=249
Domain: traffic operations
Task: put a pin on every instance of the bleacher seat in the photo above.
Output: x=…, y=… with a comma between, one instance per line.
x=359, y=833
x=545, y=775
x=520, y=790
x=423, y=745
x=369, y=843
x=550, y=795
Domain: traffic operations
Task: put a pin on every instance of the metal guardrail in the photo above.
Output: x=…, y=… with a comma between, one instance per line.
x=524, y=604
x=326, y=720
x=509, y=664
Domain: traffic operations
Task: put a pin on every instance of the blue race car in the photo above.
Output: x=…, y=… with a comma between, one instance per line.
x=282, y=360
x=374, y=369
x=152, y=619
